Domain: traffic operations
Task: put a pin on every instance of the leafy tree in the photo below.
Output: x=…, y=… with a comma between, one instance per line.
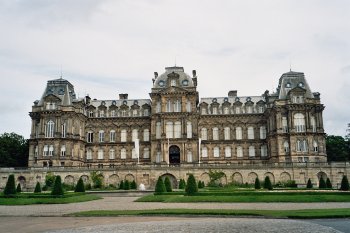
x=18, y=189
x=10, y=188
x=57, y=189
x=328, y=184
x=267, y=183
x=182, y=184
x=191, y=187
x=257, y=183
x=309, y=184
x=215, y=177
x=126, y=185
x=344, y=184
x=80, y=188
x=121, y=185
x=133, y=185
x=49, y=180
x=322, y=184
x=37, y=188
x=167, y=184
x=97, y=179
x=337, y=148
x=14, y=150
x=160, y=186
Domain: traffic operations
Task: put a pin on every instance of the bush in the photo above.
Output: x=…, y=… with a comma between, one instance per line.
x=309, y=184
x=344, y=184
x=67, y=187
x=267, y=183
x=49, y=180
x=203, y=184
x=322, y=184
x=97, y=180
x=88, y=186
x=10, y=188
x=329, y=184
x=167, y=184
x=126, y=185
x=160, y=186
x=57, y=189
x=37, y=188
x=133, y=185
x=191, y=187
x=200, y=184
x=80, y=188
x=257, y=183
x=121, y=185
x=18, y=189
x=182, y=184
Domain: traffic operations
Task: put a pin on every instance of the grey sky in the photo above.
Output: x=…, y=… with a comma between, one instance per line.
x=108, y=47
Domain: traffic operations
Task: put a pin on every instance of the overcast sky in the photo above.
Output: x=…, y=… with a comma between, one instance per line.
x=109, y=47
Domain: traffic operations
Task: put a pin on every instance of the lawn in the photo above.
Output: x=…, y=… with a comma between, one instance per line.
x=46, y=198
x=314, y=213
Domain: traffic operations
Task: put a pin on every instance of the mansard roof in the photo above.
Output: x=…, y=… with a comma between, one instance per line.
x=161, y=81
x=120, y=102
x=60, y=88
x=290, y=81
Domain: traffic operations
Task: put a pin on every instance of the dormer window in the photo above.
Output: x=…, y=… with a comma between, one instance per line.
x=91, y=113
x=161, y=83
x=298, y=99
x=50, y=106
x=288, y=85
x=173, y=82
x=215, y=110
x=301, y=84
x=185, y=82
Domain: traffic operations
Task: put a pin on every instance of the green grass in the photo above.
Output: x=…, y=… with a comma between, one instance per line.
x=315, y=213
x=249, y=196
x=46, y=198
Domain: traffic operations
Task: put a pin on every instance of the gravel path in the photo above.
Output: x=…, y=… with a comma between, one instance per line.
x=126, y=203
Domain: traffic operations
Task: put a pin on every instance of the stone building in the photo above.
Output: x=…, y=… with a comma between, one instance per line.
x=176, y=127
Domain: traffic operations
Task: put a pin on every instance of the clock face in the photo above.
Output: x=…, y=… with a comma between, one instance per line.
x=185, y=82
x=161, y=83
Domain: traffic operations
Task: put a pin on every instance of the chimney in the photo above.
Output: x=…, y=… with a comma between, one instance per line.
x=155, y=75
x=232, y=93
x=194, y=73
x=123, y=96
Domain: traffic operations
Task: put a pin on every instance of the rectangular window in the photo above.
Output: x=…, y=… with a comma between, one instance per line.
x=101, y=136
x=158, y=157
x=189, y=129
x=251, y=151
x=189, y=156
x=46, y=150
x=169, y=130
x=100, y=154
x=51, y=150
x=204, y=134
x=227, y=151
x=158, y=107
x=146, y=153
x=123, y=135
x=263, y=151
x=90, y=137
x=250, y=133
x=204, y=152
x=135, y=135
x=123, y=153
x=215, y=134
x=158, y=130
x=111, y=154
x=146, y=135
x=177, y=129
x=227, y=133
x=89, y=154
x=239, y=152
x=284, y=125
x=216, y=152
x=63, y=130
x=262, y=132
x=63, y=150
x=112, y=136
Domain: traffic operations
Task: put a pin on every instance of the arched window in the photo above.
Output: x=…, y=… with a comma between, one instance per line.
x=188, y=106
x=158, y=130
x=112, y=136
x=286, y=147
x=90, y=137
x=263, y=150
x=216, y=152
x=51, y=150
x=177, y=106
x=189, y=129
x=204, y=152
x=111, y=154
x=227, y=151
x=239, y=152
x=177, y=129
x=215, y=133
x=100, y=154
x=313, y=123
x=123, y=153
x=227, y=133
x=123, y=135
x=169, y=127
x=63, y=150
x=204, y=134
x=64, y=130
x=315, y=146
x=299, y=122
x=251, y=151
x=250, y=132
x=284, y=125
x=146, y=135
x=101, y=136
x=239, y=133
x=146, y=153
x=302, y=146
x=134, y=135
x=50, y=129
x=262, y=132
x=168, y=106
x=89, y=154
x=189, y=156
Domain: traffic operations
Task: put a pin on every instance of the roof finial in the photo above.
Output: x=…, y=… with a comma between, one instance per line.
x=61, y=74
x=175, y=61
x=290, y=65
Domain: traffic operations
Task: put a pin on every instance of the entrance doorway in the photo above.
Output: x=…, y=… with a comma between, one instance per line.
x=174, y=155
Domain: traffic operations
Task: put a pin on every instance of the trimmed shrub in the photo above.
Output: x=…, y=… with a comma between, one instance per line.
x=121, y=185
x=88, y=187
x=191, y=187
x=182, y=184
x=57, y=189
x=267, y=183
x=18, y=189
x=203, y=184
x=10, y=188
x=167, y=184
x=126, y=185
x=200, y=184
x=80, y=188
x=49, y=180
x=257, y=183
x=322, y=184
x=133, y=185
x=160, y=186
x=344, y=184
x=309, y=184
x=328, y=184
x=37, y=188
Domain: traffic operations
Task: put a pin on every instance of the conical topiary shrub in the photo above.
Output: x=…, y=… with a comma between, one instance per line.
x=121, y=185
x=18, y=189
x=167, y=184
x=309, y=184
x=344, y=184
x=191, y=187
x=160, y=186
x=126, y=185
x=80, y=188
x=328, y=184
x=133, y=185
x=322, y=184
x=257, y=183
x=37, y=188
x=10, y=188
x=57, y=189
x=267, y=183
x=182, y=184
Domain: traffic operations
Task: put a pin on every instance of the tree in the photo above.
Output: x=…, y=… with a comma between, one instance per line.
x=133, y=185
x=97, y=179
x=37, y=188
x=182, y=184
x=49, y=180
x=18, y=189
x=10, y=188
x=344, y=184
x=167, y=184
x=160, y=186
x=121, y=185
x=14, y=150
x=126, y=185
x=309, y=184
x=57, y=189
x=80, y=188
x=328, y=184
x=322, y=184
x=267, y=183
x=191, y=187
x=337, y=148
x=257, y=183
x=215, y=177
